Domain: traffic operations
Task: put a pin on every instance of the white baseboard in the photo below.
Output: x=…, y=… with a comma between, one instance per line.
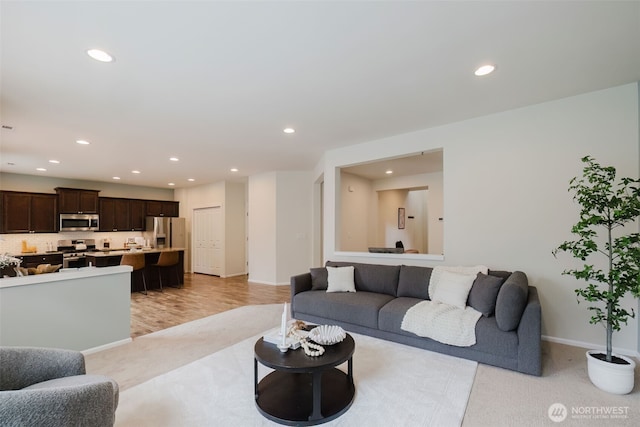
x=106, y=346
x=234, y=275
x=590, y=346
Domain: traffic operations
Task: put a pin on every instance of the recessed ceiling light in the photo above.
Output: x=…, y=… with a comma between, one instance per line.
x=234, y=169
x=54, y=161
x=100, y=55
x=135, y=171
x=174, y=159
x=171, y=183
x=288, y=130
x=389, y=172
x=116, y=177
x=82, y=142
x=484, y=70
x=190, y=179
x=41, y=169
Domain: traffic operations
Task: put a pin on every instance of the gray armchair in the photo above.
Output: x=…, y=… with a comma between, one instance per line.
x=48, y=387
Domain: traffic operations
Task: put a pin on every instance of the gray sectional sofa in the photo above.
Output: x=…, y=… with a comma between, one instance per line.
x=507, y=334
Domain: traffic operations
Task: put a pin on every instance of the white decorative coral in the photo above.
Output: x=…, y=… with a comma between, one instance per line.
x=327, y=334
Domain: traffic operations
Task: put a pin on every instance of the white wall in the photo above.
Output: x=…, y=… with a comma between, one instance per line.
x=235, y=229
x=262, y=228
x=357, y=213
x=294, y=224
x=506, y=203
x=280, y=226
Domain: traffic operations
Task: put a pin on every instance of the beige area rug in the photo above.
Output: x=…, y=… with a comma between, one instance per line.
x=396, y=385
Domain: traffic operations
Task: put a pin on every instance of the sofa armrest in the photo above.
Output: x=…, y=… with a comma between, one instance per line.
x=530, y=336
x=23, y=366
x=299, y=283
x=83, y=405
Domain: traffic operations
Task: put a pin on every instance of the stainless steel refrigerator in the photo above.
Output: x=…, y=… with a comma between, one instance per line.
x=164, y=232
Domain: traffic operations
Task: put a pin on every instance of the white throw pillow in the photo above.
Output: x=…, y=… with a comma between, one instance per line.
x=454, y=288
x=340, y=279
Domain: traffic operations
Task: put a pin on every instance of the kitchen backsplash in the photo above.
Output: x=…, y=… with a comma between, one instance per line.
x=12, y=243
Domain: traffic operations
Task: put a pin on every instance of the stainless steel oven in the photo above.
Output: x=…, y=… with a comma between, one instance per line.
x=74, y=252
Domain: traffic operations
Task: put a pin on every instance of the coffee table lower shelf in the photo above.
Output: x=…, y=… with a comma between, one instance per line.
x=288, y=398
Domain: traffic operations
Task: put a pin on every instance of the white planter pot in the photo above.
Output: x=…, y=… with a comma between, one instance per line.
x=611, y=377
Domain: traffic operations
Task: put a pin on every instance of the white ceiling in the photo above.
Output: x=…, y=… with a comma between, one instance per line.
x=214, y=83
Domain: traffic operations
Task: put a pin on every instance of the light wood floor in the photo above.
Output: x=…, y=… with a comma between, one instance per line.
x=201, y=296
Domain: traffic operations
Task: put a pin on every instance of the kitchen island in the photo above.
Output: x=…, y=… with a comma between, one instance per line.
x=112, y=257
x=78, y=309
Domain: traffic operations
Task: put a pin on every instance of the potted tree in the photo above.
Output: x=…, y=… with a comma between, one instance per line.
x=606, y=206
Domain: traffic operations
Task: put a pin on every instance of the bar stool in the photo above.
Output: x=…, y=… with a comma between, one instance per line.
x=135, y=260
x=168, y=260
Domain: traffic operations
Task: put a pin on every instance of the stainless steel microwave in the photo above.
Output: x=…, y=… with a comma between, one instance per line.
x=79, y=222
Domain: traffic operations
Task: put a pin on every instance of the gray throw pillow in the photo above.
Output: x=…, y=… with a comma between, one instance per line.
x=511, y=301
x=484, y=293
x=319, y=279
x=414, y=282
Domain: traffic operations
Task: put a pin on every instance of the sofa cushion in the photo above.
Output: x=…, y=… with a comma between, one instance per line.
x=484, y=293
x=453, y=288
x=359, y=308
x=391, y=315
x=489, y=339
x=340, y=279
x=413, y=281
x=318, y=279
x=382, y=279
x=511, y=301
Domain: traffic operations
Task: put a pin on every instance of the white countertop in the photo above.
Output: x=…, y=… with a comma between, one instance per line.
x=63, y=274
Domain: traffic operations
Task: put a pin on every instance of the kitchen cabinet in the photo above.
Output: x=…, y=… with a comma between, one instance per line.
x=28, y=212
x=114, y=214
x=117, y=214
x=74, y=200
x=32, y=261
x=163, y=208
x=137, y=215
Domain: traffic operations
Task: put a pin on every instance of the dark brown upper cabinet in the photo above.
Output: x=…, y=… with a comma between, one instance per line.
x=163, y=208
x=28, y=212
x=114, y=214
x=74, y=200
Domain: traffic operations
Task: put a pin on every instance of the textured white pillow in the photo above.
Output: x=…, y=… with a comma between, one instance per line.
x=453, y=288
x=340, y=279
x=437, y=271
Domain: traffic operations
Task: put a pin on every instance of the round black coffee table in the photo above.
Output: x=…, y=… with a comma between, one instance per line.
x=304, y=390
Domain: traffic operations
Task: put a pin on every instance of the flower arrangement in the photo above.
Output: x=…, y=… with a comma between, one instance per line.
x=7, y=260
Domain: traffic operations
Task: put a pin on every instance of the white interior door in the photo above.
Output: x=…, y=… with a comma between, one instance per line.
x=207, y=241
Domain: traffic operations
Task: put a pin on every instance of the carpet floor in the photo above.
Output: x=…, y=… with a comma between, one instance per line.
x=395, y=385
x=499, y=397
